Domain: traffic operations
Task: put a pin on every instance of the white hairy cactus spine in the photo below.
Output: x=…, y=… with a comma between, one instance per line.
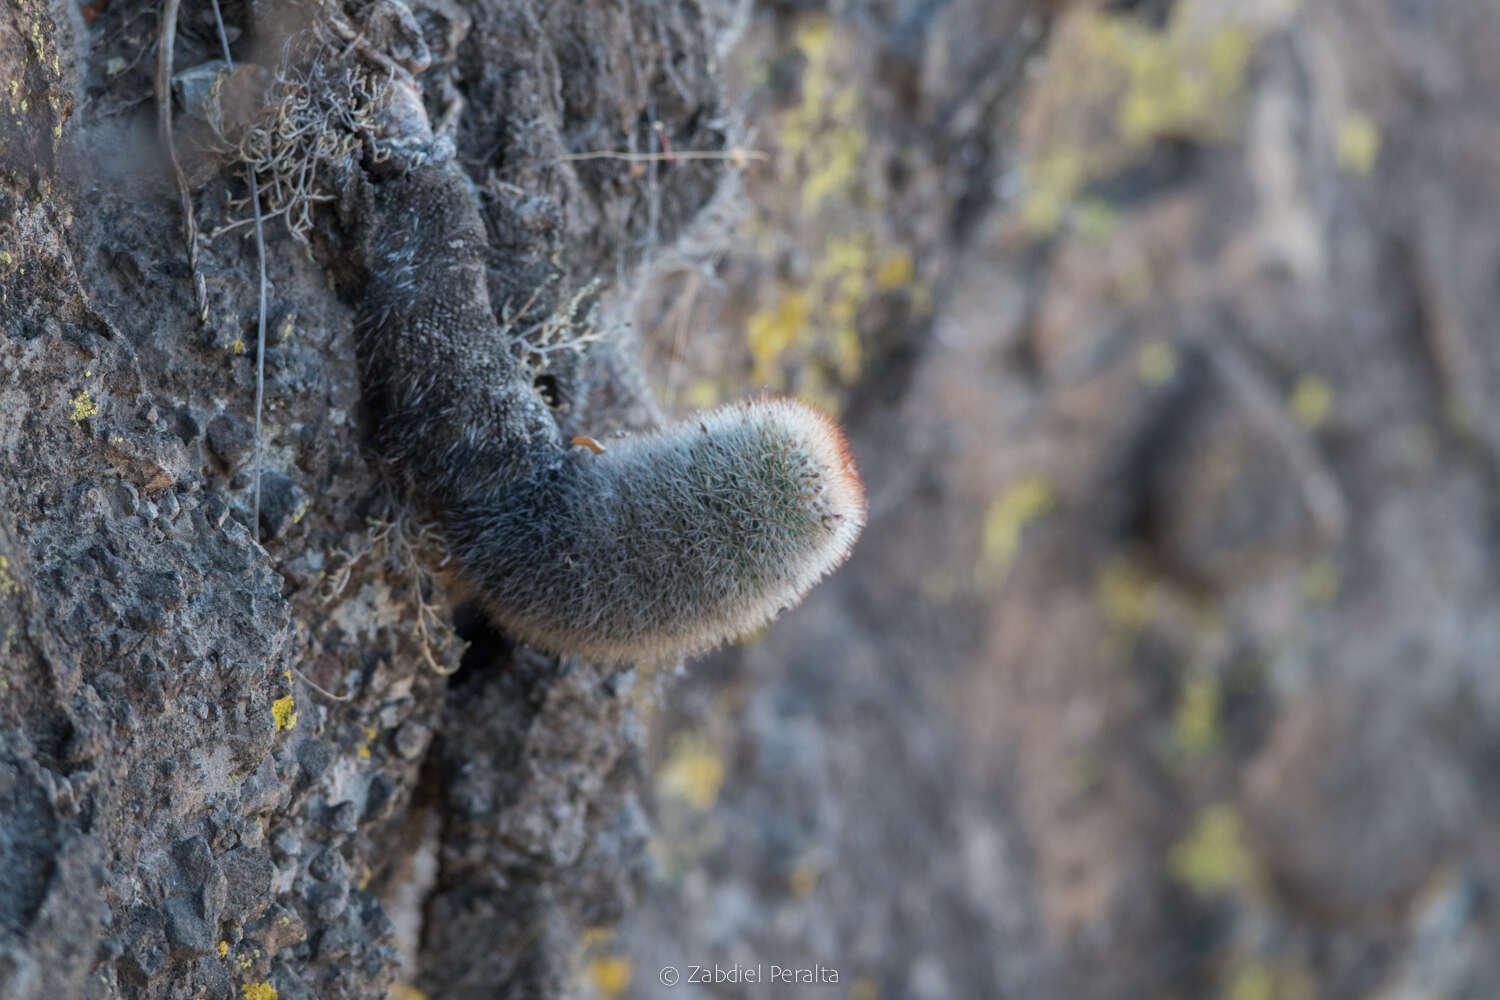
x=669, y=543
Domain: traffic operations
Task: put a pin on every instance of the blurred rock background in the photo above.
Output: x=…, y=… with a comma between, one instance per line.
x=1168, y=665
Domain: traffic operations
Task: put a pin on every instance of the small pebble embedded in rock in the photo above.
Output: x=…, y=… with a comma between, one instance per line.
x=231, y=440
x=282, y=504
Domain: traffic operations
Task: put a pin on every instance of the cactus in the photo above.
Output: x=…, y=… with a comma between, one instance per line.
x=661, y=545
x=669, y=543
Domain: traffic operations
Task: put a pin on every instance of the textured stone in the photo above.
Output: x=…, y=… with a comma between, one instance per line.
x=282, y=504
x=231, y=440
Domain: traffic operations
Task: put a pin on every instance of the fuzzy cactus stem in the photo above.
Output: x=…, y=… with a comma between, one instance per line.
x=646, y=548
x=669, y=543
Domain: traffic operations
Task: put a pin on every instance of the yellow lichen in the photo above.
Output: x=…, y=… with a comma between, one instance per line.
x=1260, y=980
x=895, y=271
x=847, y=352
x=258, y=991
x=808, y=333
x=223, y=948
x=813, y=37
x=1358, y=143
x=402, y=991
x=703, y=394
x=1051, y=183
x=83, y=407
x=802, y=881
x=843, y=263
x=364, y=748
x=1312, y=401
x=1320, y=582
x=835, y=169
x=1124, y=594
x=1213, y=857
x=1195, y=720
x=1252, y=981
x=610, y=975
x=1004, y=523
x=1156, y=362
x=1114, y=84
x=284, y=711
x=608, y=972
x=772, y=331
x=693, y=774
x=1168, y=90
x=1095, y=219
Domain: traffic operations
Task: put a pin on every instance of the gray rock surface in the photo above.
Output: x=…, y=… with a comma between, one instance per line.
x=215, y=751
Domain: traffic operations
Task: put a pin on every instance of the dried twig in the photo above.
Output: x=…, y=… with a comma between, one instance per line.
x=312, y=134
x=272, y=214
x=320, y=688
x=405, y=548
x=563, y=331
x=738, y=157
x=260, y=253
x=162, y=85
x=345, y=31
x=403, y=552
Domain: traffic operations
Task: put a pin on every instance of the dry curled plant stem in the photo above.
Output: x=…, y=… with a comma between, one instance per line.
x=565, y=330
x=319, y=688
x=273, y=214
x=403, y=552
x=311, y=134
x=405, y=545
x=345, y=31
x=735, y=156
x=427, y=611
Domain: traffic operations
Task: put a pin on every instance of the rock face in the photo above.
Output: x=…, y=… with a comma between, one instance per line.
x=226, y=767
x=1166, y=665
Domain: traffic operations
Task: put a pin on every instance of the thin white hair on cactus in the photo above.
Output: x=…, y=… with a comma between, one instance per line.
x=669, y=543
